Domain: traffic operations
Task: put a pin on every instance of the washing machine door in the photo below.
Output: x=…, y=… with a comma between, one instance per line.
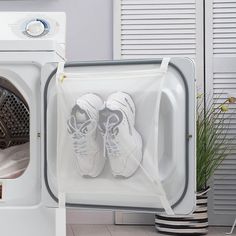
x=120, y=134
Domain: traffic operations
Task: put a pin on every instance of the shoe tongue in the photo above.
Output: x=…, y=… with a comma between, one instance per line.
x=80, y=117
x=108, y=117
x=86, y=127
x=79, y=113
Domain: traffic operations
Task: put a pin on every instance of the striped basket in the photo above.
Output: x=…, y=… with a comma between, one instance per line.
x=194, y=224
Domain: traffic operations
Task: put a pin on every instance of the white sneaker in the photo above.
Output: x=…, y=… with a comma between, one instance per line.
x=122, y=142
x=82, y=126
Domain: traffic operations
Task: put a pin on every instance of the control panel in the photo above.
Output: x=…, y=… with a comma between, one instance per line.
x=33, y=25
x=36, y=28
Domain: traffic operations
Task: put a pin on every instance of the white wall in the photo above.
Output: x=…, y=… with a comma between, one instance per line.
x=89, y=24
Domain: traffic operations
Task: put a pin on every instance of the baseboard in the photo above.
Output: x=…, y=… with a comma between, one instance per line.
x=131, y=218
x=75, y=216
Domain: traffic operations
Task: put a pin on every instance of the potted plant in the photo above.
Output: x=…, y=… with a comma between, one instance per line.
x=213, y=146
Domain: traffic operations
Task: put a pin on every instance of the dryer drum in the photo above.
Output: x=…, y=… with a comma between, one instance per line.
x=14, y=119
x=14, y=131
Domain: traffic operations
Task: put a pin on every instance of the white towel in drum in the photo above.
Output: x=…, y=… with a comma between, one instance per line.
x=14, y=161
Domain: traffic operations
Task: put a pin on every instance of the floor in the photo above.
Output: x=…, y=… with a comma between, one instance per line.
x=115, y=230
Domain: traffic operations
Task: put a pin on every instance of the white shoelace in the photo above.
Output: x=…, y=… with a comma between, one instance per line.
x=110, y=141
x=81, y=143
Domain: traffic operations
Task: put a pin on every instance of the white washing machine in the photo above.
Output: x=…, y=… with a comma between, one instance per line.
x=41, y=157
x=28, y=41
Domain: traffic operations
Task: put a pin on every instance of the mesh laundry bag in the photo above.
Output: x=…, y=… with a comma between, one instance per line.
x=107, y=141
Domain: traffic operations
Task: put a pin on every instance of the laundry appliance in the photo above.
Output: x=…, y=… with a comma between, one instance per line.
x=115, y=135
x=28, y=41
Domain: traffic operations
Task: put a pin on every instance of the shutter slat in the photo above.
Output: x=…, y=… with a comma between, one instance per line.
x=222, y=21
x=159, y=47
x=231, y=201
x=225, y=187
x=157, y=52
x=225, y=178
x=148, y=56
x=158, y=12
x=228, y=25
x=225, y=36
x=225, y=45
x=159, y=32
x=224, y=75
x=142, y=37
x=224, y=83
x=157, y=7
x=226, y=11
x=225, y=208
x=229, y=30
x=141, y=42
x=225, y=51
x=224, y=5
x=155, y=2
x=225, y=172
x=226, y=54
x=158, y=22
x=223, y=41
x=155, y=17
x=157, y=27
x=230, y=161
x=224, y=16
x=225, y=2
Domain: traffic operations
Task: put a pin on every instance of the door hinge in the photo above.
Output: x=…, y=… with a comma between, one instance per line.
x=189, y=136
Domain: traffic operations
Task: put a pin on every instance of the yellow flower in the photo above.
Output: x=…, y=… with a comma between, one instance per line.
x=199, y=95
x=232, y=99
x=224, y=108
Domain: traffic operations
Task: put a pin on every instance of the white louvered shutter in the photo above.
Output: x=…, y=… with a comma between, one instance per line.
x=156, y=29
x=159, y=28
x=221, y=80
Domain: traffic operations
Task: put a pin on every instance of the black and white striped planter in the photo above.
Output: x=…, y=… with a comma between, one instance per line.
x=194, y=224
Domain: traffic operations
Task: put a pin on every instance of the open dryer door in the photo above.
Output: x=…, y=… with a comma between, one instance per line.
x=87, y=159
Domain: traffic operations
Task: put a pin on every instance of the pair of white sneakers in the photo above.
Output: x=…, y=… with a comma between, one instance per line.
x=114, y=120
